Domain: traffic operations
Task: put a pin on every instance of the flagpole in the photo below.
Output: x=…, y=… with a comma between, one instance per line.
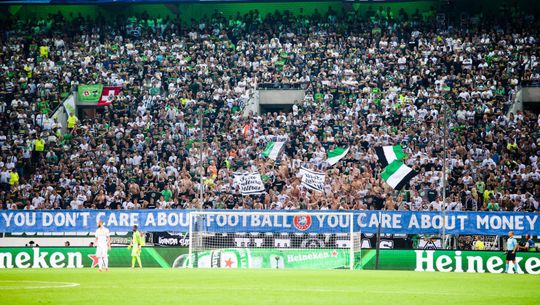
x=201, y=158
x=445, y=146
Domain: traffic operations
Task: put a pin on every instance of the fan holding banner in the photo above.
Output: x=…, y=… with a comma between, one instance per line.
x=312, y=180
x=249, y=183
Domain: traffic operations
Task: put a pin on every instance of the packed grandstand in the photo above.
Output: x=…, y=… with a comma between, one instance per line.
x=380, y=78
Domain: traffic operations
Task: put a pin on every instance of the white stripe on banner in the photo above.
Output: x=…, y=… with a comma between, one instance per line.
x=398, y=176
x=275, y=150
x=389, y=154
x=335, y=159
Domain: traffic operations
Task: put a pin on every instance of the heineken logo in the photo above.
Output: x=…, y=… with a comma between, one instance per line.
x=40, y=259
x=95, y=260
x=223, y=258
x=86, y=93
x=302, y=222
x=472, y=262
x=310, y=256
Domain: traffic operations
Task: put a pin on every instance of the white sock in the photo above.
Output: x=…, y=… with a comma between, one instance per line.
x=106, y=261
x=100, y=263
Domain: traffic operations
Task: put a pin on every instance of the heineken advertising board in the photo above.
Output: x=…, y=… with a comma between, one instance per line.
x=274, y=258
x=411, y=260
x=450, y=261
x=83, y=257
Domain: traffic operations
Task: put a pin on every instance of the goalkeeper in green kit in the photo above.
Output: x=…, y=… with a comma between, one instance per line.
x=136, y=245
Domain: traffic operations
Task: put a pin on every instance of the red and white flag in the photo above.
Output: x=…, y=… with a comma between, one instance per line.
x=107, y=95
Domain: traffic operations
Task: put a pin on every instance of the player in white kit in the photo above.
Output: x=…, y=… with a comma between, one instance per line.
x=103, y=244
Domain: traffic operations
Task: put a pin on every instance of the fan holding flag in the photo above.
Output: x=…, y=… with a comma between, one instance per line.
x=272, y=150
x=397, y=174
x=108, y=95
x=336, y=154
x=388, y=154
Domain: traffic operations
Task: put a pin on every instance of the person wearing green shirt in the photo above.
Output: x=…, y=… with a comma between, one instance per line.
x=493, y=206
x=318, y=97
x=480, y=188
x=488, y=195
x=136, y=246
x=167, y=193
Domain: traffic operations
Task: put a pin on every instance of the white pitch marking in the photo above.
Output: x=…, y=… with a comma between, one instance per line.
x=62, y=285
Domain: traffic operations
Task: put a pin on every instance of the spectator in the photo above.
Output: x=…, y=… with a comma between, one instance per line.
x=384, y=79
x=478, y=244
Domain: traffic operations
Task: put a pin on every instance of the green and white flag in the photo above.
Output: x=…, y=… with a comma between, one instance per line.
x=397, y=174
x=389, y=154
x=89, y=93
x=272, y=150
x=337, y=154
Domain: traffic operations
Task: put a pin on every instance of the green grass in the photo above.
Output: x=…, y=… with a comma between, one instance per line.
x=222, y=287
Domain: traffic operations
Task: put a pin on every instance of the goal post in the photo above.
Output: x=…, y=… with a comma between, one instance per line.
x=268, y=239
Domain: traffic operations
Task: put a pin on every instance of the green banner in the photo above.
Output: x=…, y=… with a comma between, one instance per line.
x=274, y=258
x=90, y=93
x=268, y=258
x=411, y=260
x=450, y=261
x=84, y=257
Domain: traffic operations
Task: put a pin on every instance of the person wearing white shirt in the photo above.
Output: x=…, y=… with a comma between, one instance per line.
x=136, y=160
x=76, y=204
x=128, y=205
x=436, y=205
x=103, y=244
x=4, y=176
x=37, y=201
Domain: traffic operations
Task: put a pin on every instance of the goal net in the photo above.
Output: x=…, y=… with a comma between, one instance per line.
x=278, y=240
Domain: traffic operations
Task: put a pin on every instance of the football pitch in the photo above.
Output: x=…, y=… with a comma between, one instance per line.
x=223, y=287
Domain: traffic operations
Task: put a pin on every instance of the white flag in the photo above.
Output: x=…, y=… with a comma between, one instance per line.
x=250, y=184
x=312, y=180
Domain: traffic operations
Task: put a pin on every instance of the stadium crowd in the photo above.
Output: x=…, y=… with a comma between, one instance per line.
x=381, y=78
